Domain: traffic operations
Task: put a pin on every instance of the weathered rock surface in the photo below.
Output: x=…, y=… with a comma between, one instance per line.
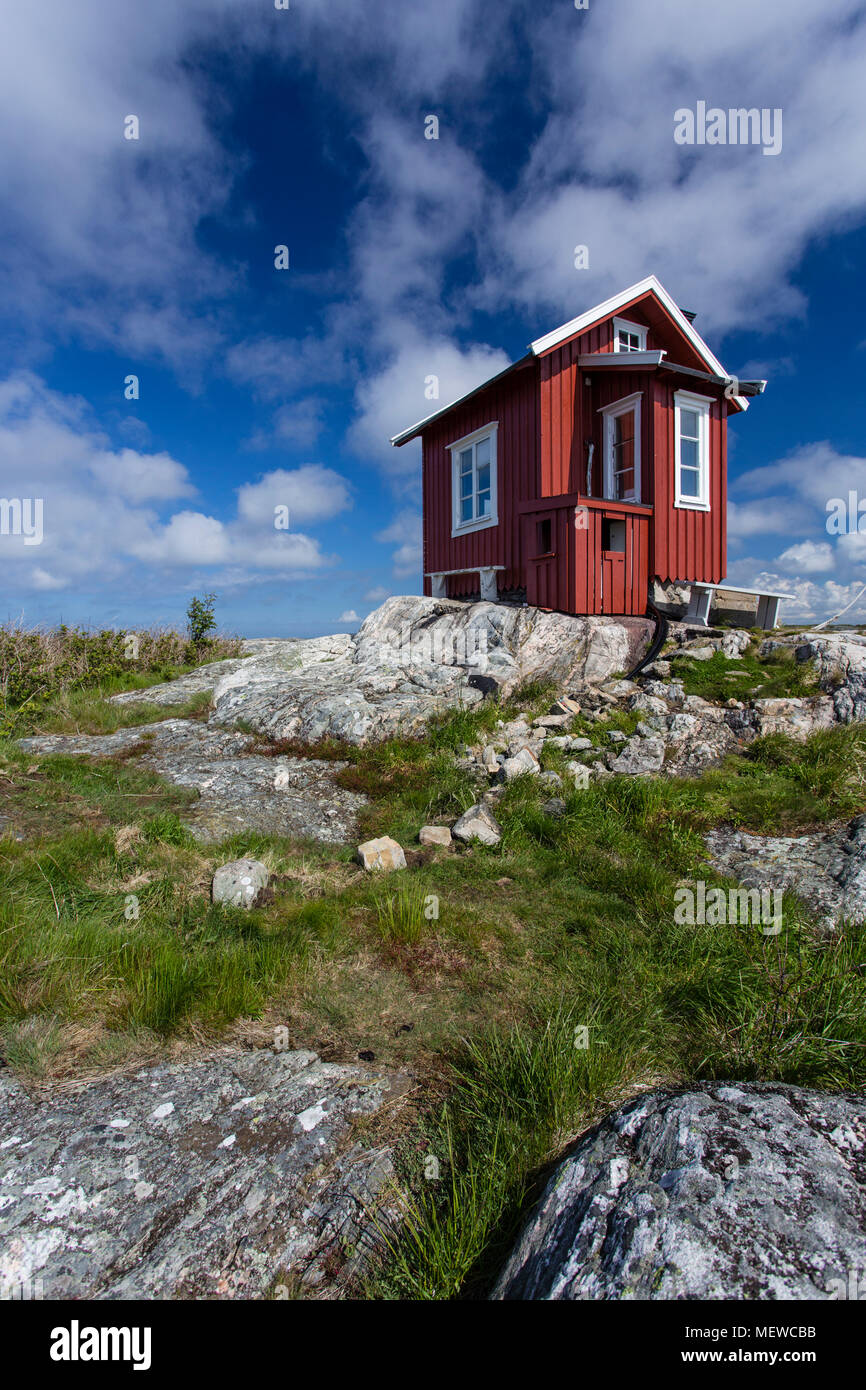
x=827, y=870
x=237, y=789
x=382, y=855
x=840, y=661
x=722, y=1192
x=411, y=657
x=640, y=757
x=197, y=1180
x=237, y=884
x=434, y=835
x=478, y=823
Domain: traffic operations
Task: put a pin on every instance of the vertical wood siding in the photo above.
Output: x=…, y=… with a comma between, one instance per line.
x=514, y=403
x=688, y=545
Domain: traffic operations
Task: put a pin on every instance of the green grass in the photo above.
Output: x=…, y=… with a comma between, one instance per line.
x=777, y=675
x=110, y=949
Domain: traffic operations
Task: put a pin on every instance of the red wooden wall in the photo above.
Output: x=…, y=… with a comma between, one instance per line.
x=688, y=544
x=513, y=401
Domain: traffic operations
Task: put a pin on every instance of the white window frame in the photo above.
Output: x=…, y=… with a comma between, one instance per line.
x=609, y=413
x=702, y=405
x=628, y=327
x=491, y=432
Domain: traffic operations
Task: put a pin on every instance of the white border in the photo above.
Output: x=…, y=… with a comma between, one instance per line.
x=689, y=400
x=610, y=412
x=457, y=529
x=629, y=327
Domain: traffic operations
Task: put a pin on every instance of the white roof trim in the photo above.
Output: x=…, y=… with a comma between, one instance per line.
x=617, y=360
x=616, y=302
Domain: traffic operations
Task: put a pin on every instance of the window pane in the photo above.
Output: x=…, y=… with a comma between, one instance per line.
x=466, y=509
x=623, y=428
x=466, y=461
x=466, y=485
x=483, y=504
x=624, y=485
x=482, y=452
x=689, y=453
x=689, y=424
x=689, y=479
x=484, y=478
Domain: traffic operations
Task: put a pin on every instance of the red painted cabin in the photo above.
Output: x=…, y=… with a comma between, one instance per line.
x=591, y=467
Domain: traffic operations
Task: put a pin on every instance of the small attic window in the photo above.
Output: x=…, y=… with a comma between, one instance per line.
x=628, y=337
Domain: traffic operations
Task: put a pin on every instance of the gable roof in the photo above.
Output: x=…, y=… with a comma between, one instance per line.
x=548, y=341
x=649, y=285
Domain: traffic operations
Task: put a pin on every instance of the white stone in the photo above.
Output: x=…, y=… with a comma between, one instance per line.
x=381, y=855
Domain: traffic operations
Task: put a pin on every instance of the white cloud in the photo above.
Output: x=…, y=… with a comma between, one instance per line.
x=350, y=616
x=311, y=493
x=404, y=532
x=104, y=521
x=809, y=557
x=395, y=397
x=378, y=594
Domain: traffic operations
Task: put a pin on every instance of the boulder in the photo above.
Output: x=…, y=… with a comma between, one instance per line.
x=478, y=823
x=521, y=763
x=434, y=835
x=699, y=653
x=555, y=807
x=381, y=855
x=640, y=757
x=411, y=658
x=238, y=884
x=724, y=1191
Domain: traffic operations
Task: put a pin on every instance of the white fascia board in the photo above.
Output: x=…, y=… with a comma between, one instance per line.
x=621, y=360
x=616, y=302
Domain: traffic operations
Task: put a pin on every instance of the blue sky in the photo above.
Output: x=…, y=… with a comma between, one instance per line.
x=408, y=257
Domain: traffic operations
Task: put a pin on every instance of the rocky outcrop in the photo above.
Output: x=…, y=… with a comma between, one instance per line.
x=840, y=660
x=238, y=789
x=215, y=1179
x=827, y=870
x=410, y=658
x=721, y=1192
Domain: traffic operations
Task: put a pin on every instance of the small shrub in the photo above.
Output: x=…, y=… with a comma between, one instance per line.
x=200, y=616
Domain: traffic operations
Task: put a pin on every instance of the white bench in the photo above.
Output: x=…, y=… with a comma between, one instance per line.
x=489, y=591
x=701, y=600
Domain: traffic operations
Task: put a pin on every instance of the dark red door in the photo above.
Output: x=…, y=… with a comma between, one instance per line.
x=539, y=549
x=614, y=540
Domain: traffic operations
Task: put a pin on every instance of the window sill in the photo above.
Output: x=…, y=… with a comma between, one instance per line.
x=685, y=506
x=470, y=526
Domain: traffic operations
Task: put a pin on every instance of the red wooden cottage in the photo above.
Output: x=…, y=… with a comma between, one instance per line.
x=591, y=467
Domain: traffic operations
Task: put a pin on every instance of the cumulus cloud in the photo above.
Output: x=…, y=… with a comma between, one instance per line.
x=809, y=557
x=398, y=396
x=349, y=616
x=404, y=532
x=107, y=514
x=311, y=493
